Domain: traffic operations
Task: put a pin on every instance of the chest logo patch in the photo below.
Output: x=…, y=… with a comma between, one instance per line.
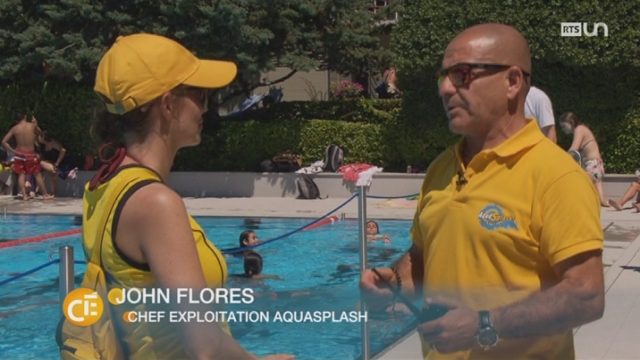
x=492, y=217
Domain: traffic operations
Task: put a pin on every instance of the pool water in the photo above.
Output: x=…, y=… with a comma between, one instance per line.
x=319, y=271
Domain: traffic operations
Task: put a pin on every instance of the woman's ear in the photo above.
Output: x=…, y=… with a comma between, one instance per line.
x=167, y=104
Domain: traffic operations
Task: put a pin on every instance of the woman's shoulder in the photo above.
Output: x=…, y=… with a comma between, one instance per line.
x=156, y=200
x=583, y=130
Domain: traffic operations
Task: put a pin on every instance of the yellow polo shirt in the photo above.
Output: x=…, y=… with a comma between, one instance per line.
x=526, y=206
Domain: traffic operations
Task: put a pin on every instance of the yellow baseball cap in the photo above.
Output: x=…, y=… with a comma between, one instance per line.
x=139, y=68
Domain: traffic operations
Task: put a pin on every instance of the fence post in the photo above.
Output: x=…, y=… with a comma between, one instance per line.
x=67, y=275
x=362, y=234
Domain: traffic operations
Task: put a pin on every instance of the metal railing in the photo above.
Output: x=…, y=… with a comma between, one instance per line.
x=67, y=272
x=362, y=234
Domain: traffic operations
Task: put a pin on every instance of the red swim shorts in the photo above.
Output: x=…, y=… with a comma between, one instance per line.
x=26, y=163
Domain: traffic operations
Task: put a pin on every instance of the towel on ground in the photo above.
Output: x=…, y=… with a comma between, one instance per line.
x=314, y=168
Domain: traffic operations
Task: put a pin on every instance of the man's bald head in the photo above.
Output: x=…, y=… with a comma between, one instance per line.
x=496, y=43
x=485, y=78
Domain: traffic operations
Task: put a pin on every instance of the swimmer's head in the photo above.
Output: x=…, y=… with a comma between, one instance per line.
x=568, y=122
x=252, y=223
x=252, y=263
x=372, y=228
x=248, y=238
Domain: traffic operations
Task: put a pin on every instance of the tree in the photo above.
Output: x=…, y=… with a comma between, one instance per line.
x=65, y=39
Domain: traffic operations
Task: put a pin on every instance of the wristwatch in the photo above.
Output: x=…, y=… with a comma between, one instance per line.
x=487, y=335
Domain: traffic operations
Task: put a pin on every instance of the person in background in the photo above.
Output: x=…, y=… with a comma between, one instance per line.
x=388, y=87
x=538, y=106
x=373, y=232
x=253, y=267
x=53, y=160
x=25, y=160
x=632, y=191
x=585, y=143
x=248, y=238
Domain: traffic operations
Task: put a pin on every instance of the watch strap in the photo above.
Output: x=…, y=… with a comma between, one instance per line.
x=485, y=320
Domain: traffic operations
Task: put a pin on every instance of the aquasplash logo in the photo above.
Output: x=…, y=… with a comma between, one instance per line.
x=493, y=217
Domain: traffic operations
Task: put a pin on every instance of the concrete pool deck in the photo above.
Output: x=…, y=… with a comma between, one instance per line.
x=615, y=336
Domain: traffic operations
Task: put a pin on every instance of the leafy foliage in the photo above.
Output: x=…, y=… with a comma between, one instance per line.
x=598, y=78
x=345, y=89
x=66, y=39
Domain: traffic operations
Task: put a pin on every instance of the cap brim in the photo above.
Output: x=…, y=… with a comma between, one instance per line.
x=212, y=74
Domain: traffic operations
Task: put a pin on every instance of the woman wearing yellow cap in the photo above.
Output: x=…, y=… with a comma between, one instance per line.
x=155, y=93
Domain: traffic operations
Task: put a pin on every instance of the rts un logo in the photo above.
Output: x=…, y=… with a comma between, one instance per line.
x=492, y=217
x=579, y=29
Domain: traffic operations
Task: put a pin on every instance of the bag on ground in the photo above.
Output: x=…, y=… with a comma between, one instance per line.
x=307, y=188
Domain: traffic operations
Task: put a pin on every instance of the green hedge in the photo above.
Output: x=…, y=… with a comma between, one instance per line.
x=64, y=109
x=353, y=110
x=598, y=78
x=241, y=146
x=379, y=132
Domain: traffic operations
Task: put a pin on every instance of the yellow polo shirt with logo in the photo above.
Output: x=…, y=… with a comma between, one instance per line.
x=526, y=206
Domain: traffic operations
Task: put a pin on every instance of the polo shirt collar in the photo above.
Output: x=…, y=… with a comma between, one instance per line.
x=527, y=137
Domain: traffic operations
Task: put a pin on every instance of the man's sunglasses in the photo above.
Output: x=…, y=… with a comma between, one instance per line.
x=460, y=74
x=432, y=312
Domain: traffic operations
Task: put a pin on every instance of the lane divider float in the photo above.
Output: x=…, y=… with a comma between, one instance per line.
x=330, y=220
x=39, y=238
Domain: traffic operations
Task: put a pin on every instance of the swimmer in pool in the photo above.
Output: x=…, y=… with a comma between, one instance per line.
x=247, y=238
x=373, y=232
x=253, y=267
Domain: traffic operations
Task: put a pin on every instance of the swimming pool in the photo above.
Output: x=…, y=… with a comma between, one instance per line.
x=320, y=267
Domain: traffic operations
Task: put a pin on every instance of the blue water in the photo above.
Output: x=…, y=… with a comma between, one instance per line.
x=319, y=267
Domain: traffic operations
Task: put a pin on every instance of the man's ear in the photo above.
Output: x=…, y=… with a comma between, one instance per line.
x=516, y=82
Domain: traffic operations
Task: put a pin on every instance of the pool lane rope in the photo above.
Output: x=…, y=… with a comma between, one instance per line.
x=323, y=220
x=39, y=238
x=326, y=218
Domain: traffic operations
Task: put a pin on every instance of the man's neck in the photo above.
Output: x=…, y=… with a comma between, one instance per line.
x=499, y=133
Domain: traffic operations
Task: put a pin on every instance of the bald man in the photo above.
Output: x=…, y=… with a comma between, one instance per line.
x=507, y=239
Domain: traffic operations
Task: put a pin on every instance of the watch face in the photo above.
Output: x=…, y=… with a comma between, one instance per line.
x=488, y=337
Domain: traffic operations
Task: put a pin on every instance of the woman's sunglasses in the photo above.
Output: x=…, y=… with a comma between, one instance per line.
x=202, y=95
x=460, y=74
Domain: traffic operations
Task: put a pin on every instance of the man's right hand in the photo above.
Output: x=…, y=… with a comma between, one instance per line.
x=373, y=289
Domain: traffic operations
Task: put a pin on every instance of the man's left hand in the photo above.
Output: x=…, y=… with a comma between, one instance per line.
x=455, y=331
